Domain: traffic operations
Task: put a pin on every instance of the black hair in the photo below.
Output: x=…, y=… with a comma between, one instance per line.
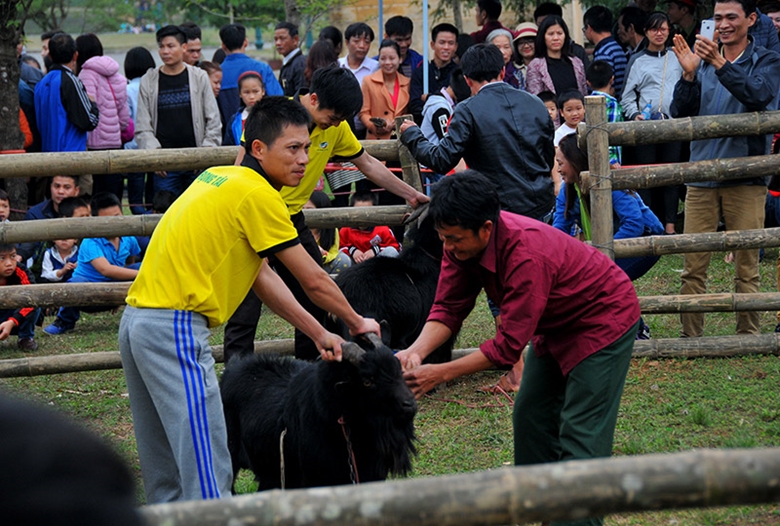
x=364, y=196
x=321, y=55
x=444, y=28
x=578, y=159
x=656, y=20
x=7, y=248
x=327, y=235
x=548, y=96
x=399, y=25
x=388, y=42
x=209, y=67
x=75, y=178
x=162, y=201
x=337, y=89
x=4, y=196
x=69, y=205
x=250, y=75
x=333, y=35
x=218, y=56
x=57, y=472
x=88, y=45
x=102, y=200
x=171, y=31
x=466, y=200
x=48, y=34
x=359, y=29
x=599, y=74
x=482, y=62
x=233, y=36
x=547, y=9
x=62, y=47
x=568, y=95
x=540, y=46
x=767, y=7
x=138, y=61
x=191, y=30
x=599, y=18
x=459, y=86
x=492, y=8
x=289, y=26
x=31, y=61
x=748, y=6
x=633, y=16
x=269, y=117
x=465, y=41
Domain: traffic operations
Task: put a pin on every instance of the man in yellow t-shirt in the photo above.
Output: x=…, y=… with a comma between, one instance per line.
x=334, y=97
x=203, y=258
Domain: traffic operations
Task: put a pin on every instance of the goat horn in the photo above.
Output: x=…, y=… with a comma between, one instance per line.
x=418, y=214
x=375, y=340
x=352, y=352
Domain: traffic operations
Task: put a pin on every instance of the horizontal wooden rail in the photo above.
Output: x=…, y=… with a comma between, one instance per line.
x=708, y=347
x=693, y=172
x=563, y=491
x=707, y=242
x=129, y=161
x=144, y=225
x=688, y=128
x=114, y=293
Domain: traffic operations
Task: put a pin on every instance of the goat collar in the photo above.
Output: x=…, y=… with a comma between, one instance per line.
x=353, y=471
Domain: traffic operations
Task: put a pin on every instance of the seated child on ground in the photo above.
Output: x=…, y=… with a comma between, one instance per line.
x=16, y=321
x=60, y=260
x=100, y=260
x=5, y=207
x=333, y=260
x=364, y=243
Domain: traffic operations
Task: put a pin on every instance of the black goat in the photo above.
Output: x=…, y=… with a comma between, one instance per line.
x=337, y=422
x=399, y=291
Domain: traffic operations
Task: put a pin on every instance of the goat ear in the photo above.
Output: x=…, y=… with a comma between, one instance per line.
x=419, y=214
x=352, y=352
x=374, y=340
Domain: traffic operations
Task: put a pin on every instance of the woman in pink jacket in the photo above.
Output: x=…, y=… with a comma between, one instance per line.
x=101, y=77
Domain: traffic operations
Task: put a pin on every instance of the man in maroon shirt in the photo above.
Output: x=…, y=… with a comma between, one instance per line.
x=577, y=307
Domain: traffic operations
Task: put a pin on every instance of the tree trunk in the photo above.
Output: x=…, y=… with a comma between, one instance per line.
x=457, y=16
x=11, y=137
x=291, y=12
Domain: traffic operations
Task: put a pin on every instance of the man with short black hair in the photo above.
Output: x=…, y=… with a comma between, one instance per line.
x=234, y=44
x=358, y=37
x=176, y=108
x=444, y=43
x=293, y=61
x=45, y=37
x=597, y=27
x=502, y=132
x=735, y=76
x=193, y=54
x=631, y=30
x=399, y=29
x=487, y=13
x=332, y=99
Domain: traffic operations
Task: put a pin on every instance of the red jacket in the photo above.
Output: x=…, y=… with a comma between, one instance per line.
x=375, y=239
x=19, y=277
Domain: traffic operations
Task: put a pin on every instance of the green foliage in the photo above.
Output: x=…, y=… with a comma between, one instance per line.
x=218, y=12
x=48, y=14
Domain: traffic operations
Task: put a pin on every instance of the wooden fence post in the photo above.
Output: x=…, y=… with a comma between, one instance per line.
x=409, y=165
x=600, y=189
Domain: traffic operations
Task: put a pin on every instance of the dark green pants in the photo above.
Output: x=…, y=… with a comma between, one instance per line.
x=573, y=417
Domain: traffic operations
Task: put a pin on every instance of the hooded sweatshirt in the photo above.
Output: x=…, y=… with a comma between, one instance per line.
x=104, y=83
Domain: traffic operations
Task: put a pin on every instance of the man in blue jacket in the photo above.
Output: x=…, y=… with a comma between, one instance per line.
x=736, y=76
x=234, y=43
x=64, y=110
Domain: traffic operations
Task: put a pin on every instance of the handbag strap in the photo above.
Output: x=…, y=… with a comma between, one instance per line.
x=663, y=83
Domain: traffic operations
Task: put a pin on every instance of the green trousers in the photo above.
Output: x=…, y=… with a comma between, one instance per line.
x=573, y=417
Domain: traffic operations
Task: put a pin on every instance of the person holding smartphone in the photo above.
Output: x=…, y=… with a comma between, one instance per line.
x=732, y=77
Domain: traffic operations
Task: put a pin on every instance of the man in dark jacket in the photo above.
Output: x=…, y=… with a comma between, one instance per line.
x=735, y=77
x=293, y=63
x=504, y=133
x=444, y=43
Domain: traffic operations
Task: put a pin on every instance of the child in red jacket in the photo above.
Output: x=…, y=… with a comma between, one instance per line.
x=364, y=243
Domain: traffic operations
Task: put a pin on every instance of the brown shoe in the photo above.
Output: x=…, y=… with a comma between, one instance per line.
x=27, y=344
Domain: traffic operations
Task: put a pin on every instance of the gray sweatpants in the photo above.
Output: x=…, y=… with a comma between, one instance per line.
x=177, y=410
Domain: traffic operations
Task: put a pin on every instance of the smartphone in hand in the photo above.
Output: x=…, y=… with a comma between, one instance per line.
x=708, y=29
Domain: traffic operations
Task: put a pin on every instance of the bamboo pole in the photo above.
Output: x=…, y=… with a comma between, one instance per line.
x=710, y=347
x=563, y=491
x=698, y=171
x=122, y=161
x=599, y=185
x=707, y=242
x=693, y=128
x=144, y=225
x=409, y=165
x=728, y=302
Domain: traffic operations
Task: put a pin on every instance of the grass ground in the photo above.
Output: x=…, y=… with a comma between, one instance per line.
x=668, y=405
